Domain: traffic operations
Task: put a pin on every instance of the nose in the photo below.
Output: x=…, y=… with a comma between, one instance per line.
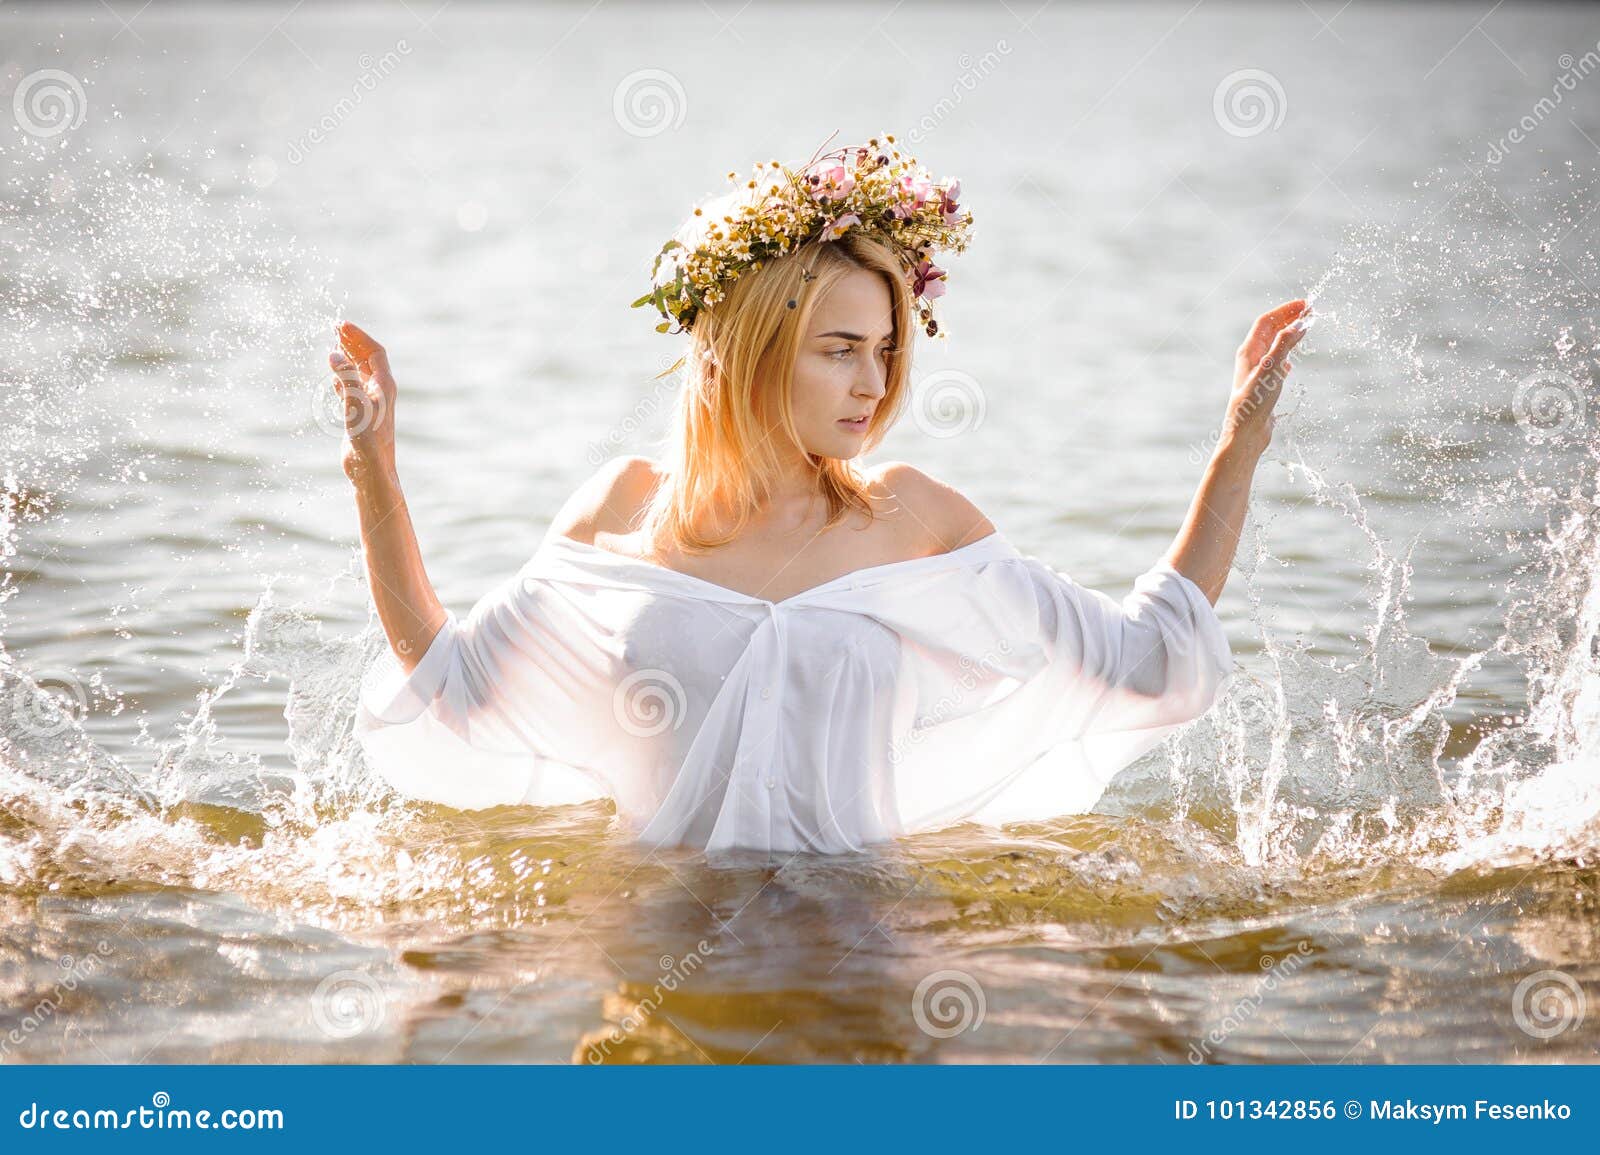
x=872, y=380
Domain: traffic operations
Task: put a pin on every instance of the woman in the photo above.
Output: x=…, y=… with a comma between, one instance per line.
x=757, y=643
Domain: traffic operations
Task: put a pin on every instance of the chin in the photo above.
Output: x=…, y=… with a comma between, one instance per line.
x=843, y=448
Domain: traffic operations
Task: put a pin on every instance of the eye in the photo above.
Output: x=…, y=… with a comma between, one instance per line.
x=841, y=354
x=889, y=350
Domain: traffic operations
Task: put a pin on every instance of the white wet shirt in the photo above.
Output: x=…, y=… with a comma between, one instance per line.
x=976, y=684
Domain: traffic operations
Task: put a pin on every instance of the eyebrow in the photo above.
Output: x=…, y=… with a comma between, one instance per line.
x=851, y=336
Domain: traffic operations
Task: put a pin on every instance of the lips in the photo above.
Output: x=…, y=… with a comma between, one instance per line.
x=856, y=422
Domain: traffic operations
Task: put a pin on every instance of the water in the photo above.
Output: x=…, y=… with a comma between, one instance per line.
x=1382, y=845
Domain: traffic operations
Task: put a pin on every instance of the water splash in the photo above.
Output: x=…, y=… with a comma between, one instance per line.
x=1329, y=757
x=1333, y=758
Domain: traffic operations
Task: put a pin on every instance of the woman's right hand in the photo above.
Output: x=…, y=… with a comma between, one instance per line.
x=366, y=389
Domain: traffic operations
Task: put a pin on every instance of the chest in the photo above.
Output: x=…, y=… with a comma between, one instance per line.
x=777, y=566
x=699, y=645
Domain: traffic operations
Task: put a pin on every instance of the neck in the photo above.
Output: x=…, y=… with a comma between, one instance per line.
x=792, y=499
x=797, y=480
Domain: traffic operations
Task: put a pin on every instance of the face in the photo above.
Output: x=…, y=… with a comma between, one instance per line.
x=842, y=369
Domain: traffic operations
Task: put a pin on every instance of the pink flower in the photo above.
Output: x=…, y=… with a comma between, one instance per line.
x=929, y=280
x=832, y=183
x=913, y=193
x=950, y=208
x=836, y=229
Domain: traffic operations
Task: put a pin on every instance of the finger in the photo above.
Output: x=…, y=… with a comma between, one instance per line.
x=345, y=373
x=378, y=362
x=360, y=405
x=349, y=396
x=1269, y=323
x=357, y=343
x=371, y=357
x=1273, y=367
x=1287, y=312
x=352, y=401
x=1274, y=319
x=1287, y=338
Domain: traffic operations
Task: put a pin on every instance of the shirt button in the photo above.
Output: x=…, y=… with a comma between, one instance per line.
x=766, y=691
x=770, y=782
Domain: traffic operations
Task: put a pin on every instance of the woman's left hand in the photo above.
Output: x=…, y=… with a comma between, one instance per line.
x=1258, y=374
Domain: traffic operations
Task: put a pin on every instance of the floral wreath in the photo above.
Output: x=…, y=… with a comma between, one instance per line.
x=870, y=189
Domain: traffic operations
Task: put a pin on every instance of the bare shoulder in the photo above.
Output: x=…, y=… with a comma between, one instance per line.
x=608, y=502
x=943, y=514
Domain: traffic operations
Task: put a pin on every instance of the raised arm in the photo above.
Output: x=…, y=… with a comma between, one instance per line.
x=407, y=605
x=1204, y=548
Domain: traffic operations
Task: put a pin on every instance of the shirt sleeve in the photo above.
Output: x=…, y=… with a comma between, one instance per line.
x=1044, y=695
x=476, y=722
x=1154, y=661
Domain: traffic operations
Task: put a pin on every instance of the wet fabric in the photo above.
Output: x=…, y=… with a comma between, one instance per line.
x=978, y=684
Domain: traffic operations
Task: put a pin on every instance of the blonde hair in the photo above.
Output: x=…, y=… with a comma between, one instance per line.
x=739, y=377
